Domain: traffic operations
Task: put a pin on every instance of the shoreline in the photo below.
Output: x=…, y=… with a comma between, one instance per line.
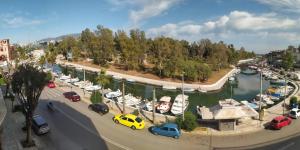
x=200, y=87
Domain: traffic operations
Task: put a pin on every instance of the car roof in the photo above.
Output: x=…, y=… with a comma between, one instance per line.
x=170, y=125
x=39, y=119
x=279, y=117
x=295, y=109
x=130, y=116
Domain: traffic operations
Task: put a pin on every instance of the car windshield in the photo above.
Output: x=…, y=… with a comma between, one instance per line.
x=274, y=121
x=293, y=113
x=137, y=119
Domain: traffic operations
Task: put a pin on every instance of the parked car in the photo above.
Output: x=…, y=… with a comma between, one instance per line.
x=280, y=121
x=73, y=96
x=51, y=84
x=99, y=108
x=39, y=125
x=167, y=129
x=130, y=120
x=294, y=113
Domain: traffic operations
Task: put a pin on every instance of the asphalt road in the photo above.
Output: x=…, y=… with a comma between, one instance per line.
x=74, y=126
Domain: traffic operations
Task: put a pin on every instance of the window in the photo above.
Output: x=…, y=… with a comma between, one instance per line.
x=124, y=118
x=165, y=128
x=137, y=119
x=130, y=120
x=172, y=129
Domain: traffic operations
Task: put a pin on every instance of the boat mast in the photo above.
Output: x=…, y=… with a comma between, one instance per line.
x=260, y=97
x=182, y=97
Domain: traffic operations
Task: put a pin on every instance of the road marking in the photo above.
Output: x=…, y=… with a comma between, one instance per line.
x=92, y=132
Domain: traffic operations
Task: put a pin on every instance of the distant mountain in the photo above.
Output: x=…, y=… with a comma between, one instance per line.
x=59, y=38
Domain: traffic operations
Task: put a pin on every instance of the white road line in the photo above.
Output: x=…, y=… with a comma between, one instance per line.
x=92, y=132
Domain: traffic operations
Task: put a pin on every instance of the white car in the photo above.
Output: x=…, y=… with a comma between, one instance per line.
x=294, y=113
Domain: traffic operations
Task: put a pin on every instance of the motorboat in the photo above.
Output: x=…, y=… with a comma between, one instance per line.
x=180, y=104
x=169, y=87
x=265, y=98
x=188, y=89
x=164, y=104
x=149, y=105
x=113, y=94
x=232, y=78
x=130, y=100
x=117, y=77
x=85, y=84
x=130, y=80
x=92, y=88
x=278, y=82
x=64, y=77
x=72, y=80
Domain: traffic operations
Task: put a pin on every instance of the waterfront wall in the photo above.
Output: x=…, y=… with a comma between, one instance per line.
x=209, y=87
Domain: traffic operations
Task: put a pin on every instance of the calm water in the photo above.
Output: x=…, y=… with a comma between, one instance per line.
x=246, y=89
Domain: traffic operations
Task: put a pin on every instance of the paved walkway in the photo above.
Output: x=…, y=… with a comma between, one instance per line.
x=211, y=87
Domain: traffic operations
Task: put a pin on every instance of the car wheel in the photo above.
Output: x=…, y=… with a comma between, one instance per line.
x=176, y=137
x=116, y=121
x=90, y=107
x=133, y=127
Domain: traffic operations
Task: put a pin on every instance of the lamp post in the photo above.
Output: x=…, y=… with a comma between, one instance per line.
x=285, y=93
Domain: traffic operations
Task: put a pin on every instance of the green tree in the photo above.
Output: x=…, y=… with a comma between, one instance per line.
x=96, y=97
x=189, y=123
x=103, y=80
x=28, y=83
x=288, y=60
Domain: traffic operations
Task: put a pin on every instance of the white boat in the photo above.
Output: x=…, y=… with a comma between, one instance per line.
x=85, y=84
x=113, y=94
x=92, y=88
x=79, y=68
x=72, y=80
x=252, y=105
x=238, y=71
x=188, y=89
x=117, y=77
x=180, y=102
x=129, y=100
x=265, y=98
x=149, y=106
x=164, y=104
x=231, y=78
x=130, y=80
x=64, y=77
x=47, y=69
x=169, y=87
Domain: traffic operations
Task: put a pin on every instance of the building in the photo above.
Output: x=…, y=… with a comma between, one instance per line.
x=37, y=54
x=6, y=50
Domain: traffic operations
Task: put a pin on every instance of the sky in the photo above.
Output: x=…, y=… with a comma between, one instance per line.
x=257, y=25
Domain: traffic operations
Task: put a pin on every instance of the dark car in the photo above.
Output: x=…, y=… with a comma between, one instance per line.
x=73, y=96
x=167, y=129
x=280, y=121
x=99, y=108
x=39, y=125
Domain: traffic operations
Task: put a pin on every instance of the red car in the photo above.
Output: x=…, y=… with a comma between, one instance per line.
x=51, y=84
x=73, y=96
x=280, y=121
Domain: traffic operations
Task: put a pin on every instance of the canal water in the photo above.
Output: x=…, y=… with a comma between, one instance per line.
x=247, y=87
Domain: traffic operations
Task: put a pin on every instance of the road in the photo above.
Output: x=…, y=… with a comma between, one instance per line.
x=73, y=126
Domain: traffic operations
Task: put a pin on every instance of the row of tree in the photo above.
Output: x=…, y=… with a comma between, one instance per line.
x=163, y=56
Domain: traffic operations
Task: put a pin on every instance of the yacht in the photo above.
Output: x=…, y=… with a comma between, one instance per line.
x=130, y=80
x=169, y=87
x=64, y=77
x=265, y=98
x=117, y=77
x=72, y=80
x=130, y=100
x=164, y=104
x=188, y=89
x=92, y=88
x=180, y=103
x=85, y=84
x=113, y=94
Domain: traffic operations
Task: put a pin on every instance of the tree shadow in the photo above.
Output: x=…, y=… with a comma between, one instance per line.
x=69, y=128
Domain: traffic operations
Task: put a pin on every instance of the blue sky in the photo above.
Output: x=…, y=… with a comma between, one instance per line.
x=259, y=25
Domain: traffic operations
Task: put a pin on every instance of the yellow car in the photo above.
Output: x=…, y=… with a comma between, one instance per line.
x=129, y=120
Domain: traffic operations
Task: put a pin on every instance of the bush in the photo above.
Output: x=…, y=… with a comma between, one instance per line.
x=135, y=112
x=293, y=100
x=189, y=123
x=96, y=97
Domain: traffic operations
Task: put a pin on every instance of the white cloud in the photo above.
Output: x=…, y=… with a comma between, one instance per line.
x=240, y=26
x=283, y=5
x=14, y=21
x=145, y=9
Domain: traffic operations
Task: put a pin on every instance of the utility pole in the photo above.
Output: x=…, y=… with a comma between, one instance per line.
x=123, y=95
x=260, y=95
x=83, y=74
x=183, y=101
x=153, y=105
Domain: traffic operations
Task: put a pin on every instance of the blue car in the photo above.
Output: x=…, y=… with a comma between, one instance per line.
x=167, y=129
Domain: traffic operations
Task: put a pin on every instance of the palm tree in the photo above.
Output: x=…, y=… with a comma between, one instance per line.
x=103, y=80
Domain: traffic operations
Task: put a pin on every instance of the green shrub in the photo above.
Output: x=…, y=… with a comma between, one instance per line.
x=135, y=112
x=189, y=123
x=96, y=97
x=293, y=100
